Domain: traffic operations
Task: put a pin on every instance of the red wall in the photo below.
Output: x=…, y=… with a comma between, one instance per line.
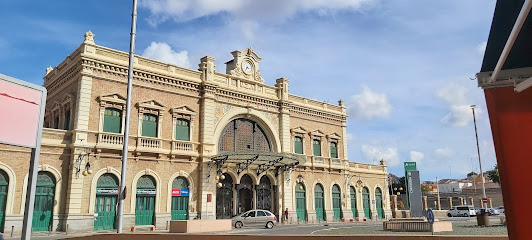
x=510, y=115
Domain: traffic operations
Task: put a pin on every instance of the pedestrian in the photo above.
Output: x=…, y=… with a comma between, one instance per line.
x=286, y=215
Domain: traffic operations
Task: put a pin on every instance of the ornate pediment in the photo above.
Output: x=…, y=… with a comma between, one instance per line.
x=113, y=98
x=245, y=64
x=317, y=133
x=299, y=130
x=184, y=109
x=152, y=104
x=67, y=99
x=334, y=136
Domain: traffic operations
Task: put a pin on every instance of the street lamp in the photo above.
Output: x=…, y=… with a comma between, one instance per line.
x=479, y=162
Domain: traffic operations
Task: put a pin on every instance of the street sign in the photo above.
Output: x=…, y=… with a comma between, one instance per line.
x=373, y=202
x=430, y=216
x=484, y=200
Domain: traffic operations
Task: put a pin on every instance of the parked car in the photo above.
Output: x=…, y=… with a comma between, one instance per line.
x=493, y=211
x=255, y=218
x=461, y=211
x=500, y=209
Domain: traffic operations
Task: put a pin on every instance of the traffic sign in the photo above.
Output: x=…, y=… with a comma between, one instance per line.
x=484, y=200
x=430, y=216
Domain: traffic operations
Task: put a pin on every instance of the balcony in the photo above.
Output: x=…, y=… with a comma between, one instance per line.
x=184, y=148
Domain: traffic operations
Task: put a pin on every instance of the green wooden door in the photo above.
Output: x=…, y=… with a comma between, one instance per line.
x=378, y=202
x=149, y=125
x=180, y=194
x=336, y=202
x=354, y=202
x=301, y=207
x=182, y=130
x=4, y=182
x=112, y=120
x=105, y=204
x=145, y=202
x=319, y=203
x=366, y=203
x=44, y=202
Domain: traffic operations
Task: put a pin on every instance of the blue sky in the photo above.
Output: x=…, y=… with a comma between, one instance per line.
x=402, y=66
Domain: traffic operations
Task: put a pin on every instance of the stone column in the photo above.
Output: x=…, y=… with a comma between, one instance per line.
x=461, y=199
x=471, y=201
x=490, y=202
x=394, y=206
x=425, y=204
x=284, y=116
x=206, y=129
x=438, y=203
x=450, y=202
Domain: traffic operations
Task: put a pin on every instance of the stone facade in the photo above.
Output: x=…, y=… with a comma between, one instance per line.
x=94, y=78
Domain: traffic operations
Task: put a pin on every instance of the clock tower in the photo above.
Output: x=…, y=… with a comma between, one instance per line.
x=245, y=64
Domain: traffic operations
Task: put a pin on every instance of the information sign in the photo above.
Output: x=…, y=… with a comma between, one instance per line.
x=183, y=192
x=146, y=192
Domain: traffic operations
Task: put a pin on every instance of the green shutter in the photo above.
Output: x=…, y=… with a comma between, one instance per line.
x=337, y=202
x=334, y=150
x=67, y=120
x=316, y=147
x=298, y=145
x=149, y=125
x=112, y=120
x=182, y=130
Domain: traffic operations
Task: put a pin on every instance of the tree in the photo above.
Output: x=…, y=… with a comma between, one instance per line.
x=493, y=175
x=472, y=174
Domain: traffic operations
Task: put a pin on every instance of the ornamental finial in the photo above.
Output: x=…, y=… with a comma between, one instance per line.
x=89, y=37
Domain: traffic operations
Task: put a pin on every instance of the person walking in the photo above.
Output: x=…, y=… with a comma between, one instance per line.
x=286, y=216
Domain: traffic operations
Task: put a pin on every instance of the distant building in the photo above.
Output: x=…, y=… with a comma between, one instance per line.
x=453, y=186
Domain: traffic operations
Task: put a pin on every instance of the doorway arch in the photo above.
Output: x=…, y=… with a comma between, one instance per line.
x=365, y=203
x=264, y=194
x=301, y=203
x=319, y=203
x=44, y=202
x=378, y=202
x=180, y=199
x=145, y=201
x=105, y=202
x=224, y=198
x=336, y=202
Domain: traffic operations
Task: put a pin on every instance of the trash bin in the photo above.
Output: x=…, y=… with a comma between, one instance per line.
x=483, y=218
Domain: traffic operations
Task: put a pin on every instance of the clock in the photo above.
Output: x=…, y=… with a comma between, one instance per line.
x=247, y=67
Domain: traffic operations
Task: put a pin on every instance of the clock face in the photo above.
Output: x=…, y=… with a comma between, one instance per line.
x=247, y=67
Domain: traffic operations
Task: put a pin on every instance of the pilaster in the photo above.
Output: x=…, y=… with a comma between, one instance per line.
x=284, y=116
x=207, y=120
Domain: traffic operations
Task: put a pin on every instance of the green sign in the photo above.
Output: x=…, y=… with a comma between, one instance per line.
x=409, y=166
x=107, y=191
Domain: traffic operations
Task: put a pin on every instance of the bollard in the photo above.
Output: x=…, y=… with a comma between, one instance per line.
x=49, y=230
x=12, y=230
x=66, y=230
x=166, y=225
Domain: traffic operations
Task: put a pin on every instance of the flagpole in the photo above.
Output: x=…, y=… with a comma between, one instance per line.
x=122, y=187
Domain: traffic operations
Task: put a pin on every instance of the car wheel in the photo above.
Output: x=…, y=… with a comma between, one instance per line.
x=238, y=225
x=449, y=215
x=269, y=225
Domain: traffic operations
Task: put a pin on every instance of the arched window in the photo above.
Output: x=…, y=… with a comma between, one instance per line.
x=243, y=135
x=182, y=129
x=149, y=125
x=112, y=120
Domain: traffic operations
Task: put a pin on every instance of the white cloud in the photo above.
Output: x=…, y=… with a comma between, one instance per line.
x=416, y=156
x=164, y=53
x=444, y=152
x=453, y=93
x=390, y=155
x=273, y=10
x=460, y=111
x=369, y=104
x=350, y=137
x=482, y=47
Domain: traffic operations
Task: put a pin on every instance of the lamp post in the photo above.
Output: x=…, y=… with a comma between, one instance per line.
x=479, y=162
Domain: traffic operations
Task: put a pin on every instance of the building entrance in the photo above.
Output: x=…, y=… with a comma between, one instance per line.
x=224, y=198
x=245, y=194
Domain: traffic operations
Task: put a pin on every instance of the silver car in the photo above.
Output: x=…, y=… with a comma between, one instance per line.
x=255, y=218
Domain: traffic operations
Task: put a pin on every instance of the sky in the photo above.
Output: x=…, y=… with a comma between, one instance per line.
x=405, y=68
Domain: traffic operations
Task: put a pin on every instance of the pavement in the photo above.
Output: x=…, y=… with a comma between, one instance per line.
x=466, y=224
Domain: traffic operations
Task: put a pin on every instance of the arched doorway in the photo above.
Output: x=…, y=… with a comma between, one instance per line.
x=264, y=194
x=180, y=195
x=378, y=202
x=4, y=183
x=44, y=202
x=301, y=205
x=245, y=194
x=224, y=198
x=366, y=203
x=242, y=135
x=337, y=202
x=319, y=203
x=354, y=202
x=145, y=202
x=105, y=204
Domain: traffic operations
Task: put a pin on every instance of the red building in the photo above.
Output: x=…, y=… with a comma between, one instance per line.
x=509, y=101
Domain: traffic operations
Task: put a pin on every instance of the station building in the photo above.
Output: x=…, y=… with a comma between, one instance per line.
x=202, y=145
